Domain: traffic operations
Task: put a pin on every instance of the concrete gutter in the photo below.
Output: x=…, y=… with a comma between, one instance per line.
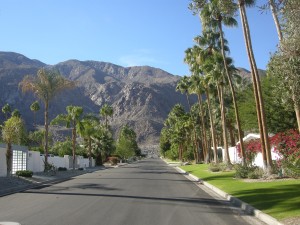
x=248, y=209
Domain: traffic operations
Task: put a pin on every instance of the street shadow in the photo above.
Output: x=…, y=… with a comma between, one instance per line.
x=162, y=200
x=56, y=188
x=129, y=178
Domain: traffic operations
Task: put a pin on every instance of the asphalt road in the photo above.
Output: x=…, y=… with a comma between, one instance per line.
x=148, y=192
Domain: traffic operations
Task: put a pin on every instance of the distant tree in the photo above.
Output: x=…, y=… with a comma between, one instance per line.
x=13, y=132
x=46, y=85
x=71, y=120
x=88, y=133
x=36, y=140
x=106, y=111
x=6, y=109
x=127, y=145
x=34, y=107
x=62, y=148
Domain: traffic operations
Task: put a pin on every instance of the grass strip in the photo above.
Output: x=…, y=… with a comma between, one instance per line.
x=278, y=198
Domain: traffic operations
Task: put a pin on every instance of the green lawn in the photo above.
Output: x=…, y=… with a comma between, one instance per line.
x=280, y=199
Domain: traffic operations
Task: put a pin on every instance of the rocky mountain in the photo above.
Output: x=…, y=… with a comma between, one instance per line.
x=141, y=96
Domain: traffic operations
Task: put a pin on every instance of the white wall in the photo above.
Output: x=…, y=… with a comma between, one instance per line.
x=2, y=162
x=36, y=161
x=258, y=160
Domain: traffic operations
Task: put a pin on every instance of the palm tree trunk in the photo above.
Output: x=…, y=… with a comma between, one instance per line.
x=257, y=88
x=90, y=151
x=236, y=110
x=276, y=20
x=204, y=137
x=9, y=155
x=74, y=145
x=213, y=132
x=224, y=128
x=194, y=131
x=297, y=111
x=46, y=135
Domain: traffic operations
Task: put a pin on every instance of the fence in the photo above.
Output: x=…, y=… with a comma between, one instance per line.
x=34, y=161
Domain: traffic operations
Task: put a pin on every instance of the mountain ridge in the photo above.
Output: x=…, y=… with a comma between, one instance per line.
x=141, y=96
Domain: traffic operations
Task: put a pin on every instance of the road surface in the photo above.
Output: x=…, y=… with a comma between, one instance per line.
x=148, y=192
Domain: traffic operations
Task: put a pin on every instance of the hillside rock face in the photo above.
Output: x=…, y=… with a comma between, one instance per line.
x=141, y=96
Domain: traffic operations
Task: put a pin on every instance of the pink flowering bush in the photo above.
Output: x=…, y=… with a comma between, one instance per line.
x=252, y=147
x=286, y=144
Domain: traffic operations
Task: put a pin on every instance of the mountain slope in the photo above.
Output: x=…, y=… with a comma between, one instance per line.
x=141, y=96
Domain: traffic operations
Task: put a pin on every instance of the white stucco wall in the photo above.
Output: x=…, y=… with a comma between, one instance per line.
x=2, y=162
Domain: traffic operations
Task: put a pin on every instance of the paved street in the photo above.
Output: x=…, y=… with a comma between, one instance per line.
x=148, y=192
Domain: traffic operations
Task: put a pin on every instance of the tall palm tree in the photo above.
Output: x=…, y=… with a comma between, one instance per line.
x=34, y=107
x=46, y=85
x=198, y=89
x=275, y=10
x=106, y=111
x=72, y=120
x=183, y=86
x=214, y=14
x=217, y=13
x=256, y=84
x=200, y=57
x=206, y=83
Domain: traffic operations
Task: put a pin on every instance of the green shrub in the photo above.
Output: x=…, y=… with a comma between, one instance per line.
x=62, y=169
x=80, y=168
x=24, y=173
x=241, y=171
x=213, y=167
x=251, y=172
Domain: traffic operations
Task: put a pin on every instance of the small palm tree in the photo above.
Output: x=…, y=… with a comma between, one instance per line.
x=71, y=120
x=34, y=107
x=89, y=132
x=46, y=85
x=13, y=131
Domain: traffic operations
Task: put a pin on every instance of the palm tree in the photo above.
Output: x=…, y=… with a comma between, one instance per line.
x=6, y=110
x=200, y=59
x=175, y=128
x=88, y=133
x=216, y=14
x=206, y=83
x=198, y=89
x=72, y=120
x=256, y=84
x=46, y=85
x=106, y=111
x=12, y=132
x=34, y=107
x=183, y=86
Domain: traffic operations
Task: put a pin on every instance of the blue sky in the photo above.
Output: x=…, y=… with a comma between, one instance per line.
x=123, y=32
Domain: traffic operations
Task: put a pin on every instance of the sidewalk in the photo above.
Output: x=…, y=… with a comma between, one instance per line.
x=14, y=184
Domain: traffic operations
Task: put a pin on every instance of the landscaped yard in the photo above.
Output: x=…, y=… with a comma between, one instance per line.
x=279, y=198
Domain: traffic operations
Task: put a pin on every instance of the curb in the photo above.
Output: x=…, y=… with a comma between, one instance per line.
x=248, y=209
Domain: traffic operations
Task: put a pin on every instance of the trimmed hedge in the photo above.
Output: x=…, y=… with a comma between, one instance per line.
x=24, y=173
